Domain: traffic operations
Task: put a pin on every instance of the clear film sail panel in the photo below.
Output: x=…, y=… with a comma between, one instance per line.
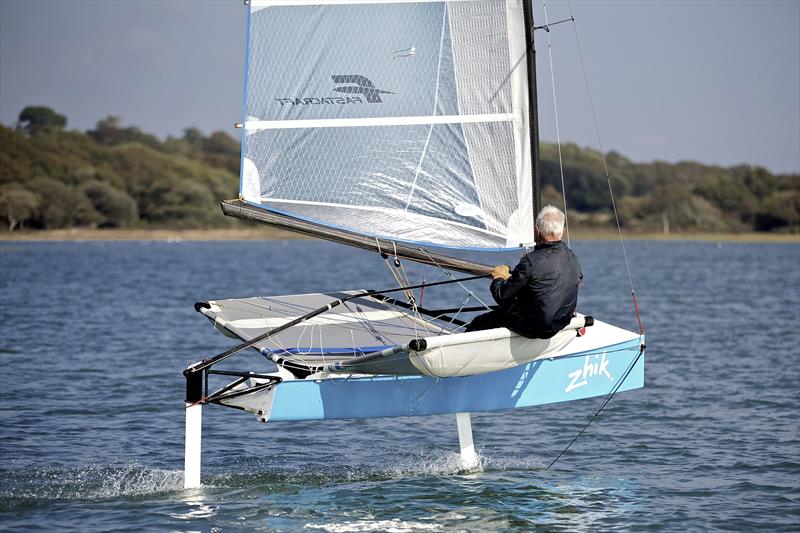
x=406, y=121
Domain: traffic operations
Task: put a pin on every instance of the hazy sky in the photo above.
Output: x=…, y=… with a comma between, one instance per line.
x=711, y=81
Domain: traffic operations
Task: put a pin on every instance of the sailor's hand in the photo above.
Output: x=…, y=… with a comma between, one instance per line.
x=501, y=271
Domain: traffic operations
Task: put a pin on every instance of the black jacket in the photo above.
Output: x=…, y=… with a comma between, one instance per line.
x=540, y=296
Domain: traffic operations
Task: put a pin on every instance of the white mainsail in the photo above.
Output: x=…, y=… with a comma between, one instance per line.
x=406, y=121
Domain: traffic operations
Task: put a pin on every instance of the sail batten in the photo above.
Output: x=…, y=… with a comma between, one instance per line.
x=272, y=3
x=402, y=120
x=254, y=125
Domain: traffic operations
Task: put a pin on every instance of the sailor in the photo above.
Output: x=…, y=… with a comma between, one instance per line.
x=539, y=296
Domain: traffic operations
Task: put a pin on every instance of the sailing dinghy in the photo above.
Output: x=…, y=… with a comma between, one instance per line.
x=407, y=128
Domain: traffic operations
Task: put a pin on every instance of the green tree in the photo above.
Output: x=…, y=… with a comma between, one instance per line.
x=730, y=194
x=116, y=207
x=109, y=132
x=220, y=150
x=17, y=204
x=221, y=143
x=34, y=119
x=781, y=211
x=673, y=207
x=185, y=203
x=194, y=137
x=16, y=155
x=62, y=206
x=758, y=180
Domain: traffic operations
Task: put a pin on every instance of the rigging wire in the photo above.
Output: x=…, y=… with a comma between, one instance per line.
x=404, y=277
x=619, y=230
x=452, y=279
x=605, y=166
x=555, y=114
x=409, y=294
x=394, y=271
x=401, y=277
x=395, y=275
x=602, y=406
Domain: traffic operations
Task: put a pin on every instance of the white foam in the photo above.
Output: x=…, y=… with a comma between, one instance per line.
x=427, y=464
x=392, y=526
x=94, y=482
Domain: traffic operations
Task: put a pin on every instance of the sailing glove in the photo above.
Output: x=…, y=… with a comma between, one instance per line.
x=501, y=271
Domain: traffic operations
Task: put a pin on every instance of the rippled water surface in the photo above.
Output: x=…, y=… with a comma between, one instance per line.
x=95, y=335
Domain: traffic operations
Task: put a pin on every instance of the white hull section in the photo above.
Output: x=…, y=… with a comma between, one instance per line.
x=479, y=352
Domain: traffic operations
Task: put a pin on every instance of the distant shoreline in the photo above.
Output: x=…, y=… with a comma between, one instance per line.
x=250, y=234
x=86, y=234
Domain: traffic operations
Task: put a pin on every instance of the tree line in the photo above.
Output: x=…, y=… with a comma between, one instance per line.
x=116, y=176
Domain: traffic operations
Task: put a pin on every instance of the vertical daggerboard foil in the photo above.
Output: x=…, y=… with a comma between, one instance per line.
x=401, y=120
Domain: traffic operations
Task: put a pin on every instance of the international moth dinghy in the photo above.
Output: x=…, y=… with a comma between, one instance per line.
x=408, y=128
x=400, y=378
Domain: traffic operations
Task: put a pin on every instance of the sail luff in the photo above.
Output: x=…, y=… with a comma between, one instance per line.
x=243, y=145
x=244, y=211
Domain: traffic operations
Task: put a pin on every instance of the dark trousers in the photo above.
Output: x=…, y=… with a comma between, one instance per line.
x=498, y=319
x=490, y=320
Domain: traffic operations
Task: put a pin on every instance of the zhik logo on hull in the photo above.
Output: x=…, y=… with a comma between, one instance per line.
x=351, y=84
x=581, y=376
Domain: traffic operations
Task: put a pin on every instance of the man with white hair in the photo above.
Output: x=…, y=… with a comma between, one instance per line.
x=537, y=298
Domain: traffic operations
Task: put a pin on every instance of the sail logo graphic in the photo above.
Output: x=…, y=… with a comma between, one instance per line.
x=354, y=84
x=360, y=85
x=591, y=368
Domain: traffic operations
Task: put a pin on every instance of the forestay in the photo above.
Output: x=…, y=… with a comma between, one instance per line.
x=406, y=121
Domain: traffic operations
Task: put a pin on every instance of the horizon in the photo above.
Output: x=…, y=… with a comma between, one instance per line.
x=734, y=97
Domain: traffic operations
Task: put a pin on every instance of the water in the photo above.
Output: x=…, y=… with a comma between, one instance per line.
x=95, y=335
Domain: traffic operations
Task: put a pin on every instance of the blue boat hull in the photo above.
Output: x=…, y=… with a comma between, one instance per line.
x=582, y=375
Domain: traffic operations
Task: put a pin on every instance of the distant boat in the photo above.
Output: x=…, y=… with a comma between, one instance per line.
x=407, y=128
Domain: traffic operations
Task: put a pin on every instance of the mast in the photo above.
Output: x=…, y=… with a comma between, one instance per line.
x=533, y=104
